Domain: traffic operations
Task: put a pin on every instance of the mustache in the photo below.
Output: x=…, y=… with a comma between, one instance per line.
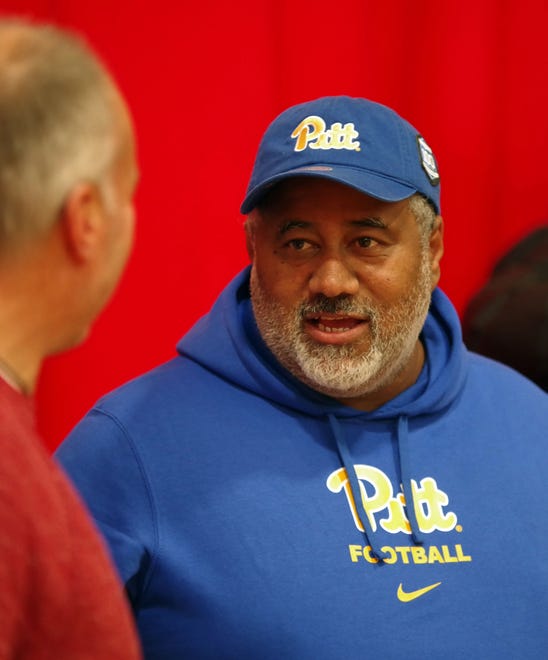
x=343, y=304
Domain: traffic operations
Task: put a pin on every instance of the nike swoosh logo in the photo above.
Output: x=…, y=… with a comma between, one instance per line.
x=407, y=596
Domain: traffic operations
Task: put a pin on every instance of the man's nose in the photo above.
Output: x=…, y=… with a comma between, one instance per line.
x=333, y=277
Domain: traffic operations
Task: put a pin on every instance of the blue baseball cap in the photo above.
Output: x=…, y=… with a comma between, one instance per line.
x=354, y=141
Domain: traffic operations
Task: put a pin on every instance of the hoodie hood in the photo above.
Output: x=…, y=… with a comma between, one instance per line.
x=227, y=342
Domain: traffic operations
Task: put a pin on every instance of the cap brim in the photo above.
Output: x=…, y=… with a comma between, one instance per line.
x=369, y=183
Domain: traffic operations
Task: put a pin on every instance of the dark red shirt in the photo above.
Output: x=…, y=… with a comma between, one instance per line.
x=59, y=597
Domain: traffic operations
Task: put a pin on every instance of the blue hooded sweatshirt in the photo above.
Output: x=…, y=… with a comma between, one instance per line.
x=252, y=517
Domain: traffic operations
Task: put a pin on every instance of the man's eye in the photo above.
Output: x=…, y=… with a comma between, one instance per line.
x=365, y=241
x=298, y=243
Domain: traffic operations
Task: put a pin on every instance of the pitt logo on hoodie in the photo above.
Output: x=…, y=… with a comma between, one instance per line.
x=312, y=133
x=429, y=502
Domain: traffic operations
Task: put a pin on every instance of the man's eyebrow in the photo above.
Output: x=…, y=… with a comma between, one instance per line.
x=370, y=222
x=293, y=224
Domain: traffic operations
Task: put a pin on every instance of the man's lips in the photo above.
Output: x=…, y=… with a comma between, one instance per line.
x=335, y=328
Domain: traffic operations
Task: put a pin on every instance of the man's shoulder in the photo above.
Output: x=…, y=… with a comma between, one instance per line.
x=504, y=381
x=175, y=380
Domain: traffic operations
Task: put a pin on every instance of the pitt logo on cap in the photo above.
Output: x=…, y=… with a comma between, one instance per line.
x=312, y=132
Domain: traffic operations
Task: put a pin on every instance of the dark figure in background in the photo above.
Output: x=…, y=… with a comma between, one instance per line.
x=507, y=320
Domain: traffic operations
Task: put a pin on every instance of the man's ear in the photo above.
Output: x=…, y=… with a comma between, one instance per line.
x=250, y=237
x=82, y=221
x=436, y=250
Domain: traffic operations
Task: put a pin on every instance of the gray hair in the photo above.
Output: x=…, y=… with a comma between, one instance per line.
x=425, y=214
x=56, y=125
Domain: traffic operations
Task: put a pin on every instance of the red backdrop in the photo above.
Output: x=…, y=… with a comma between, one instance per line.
x=205, y=78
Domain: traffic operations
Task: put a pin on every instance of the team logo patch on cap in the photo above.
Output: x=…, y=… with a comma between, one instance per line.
x=312, y=133
x=428, y=161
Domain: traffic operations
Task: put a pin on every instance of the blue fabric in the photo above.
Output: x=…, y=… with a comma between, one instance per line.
x=354, y=141
x=217, y=481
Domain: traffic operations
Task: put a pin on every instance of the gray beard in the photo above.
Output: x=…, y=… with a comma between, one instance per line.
x=346, y=371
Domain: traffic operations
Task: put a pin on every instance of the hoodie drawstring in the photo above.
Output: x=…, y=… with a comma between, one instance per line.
x=347, y=462
x=403, y=453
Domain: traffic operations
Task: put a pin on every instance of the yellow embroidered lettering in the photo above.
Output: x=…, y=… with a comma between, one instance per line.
x=313, y=133
x=355, y=552
x=404, y=551
x=429, y=502
x=368, y=556
x=381, y=495
x=409, y=554
x=460, y=556
x=307, y=131
x=338, y=481
x=447, y=556
x=397, y=520
x=392, y=555
x=347, y=140
x=434, y=556
x=323, y=141
x=377, y=495
x=419, y=555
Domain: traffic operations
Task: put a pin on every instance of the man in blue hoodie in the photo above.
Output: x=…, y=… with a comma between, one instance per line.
x=324, y=471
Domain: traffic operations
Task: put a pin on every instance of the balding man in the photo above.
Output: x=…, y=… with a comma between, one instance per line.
x=67, y=177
